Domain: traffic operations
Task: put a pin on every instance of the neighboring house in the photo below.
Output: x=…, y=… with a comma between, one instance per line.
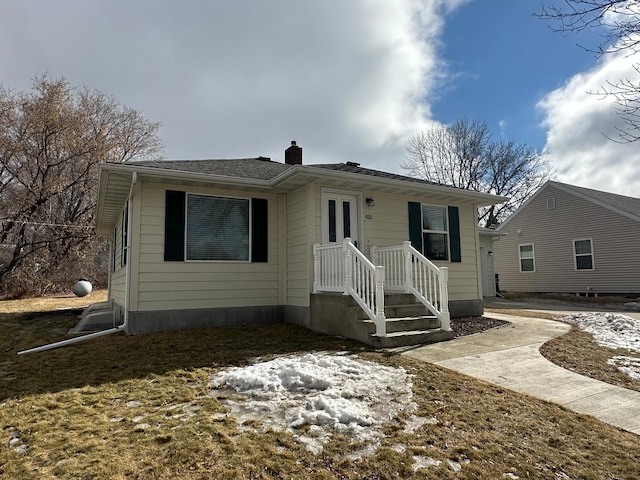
x=233, y=242
x=569, y=239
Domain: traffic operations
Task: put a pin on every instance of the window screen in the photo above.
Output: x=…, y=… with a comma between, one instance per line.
x=435, y=232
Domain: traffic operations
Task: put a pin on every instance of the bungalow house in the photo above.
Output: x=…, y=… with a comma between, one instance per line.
x=337, y=248
x=569, y=239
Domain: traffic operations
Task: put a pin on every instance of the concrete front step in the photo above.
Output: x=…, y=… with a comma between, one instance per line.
x=405, y=310
x=411, y=337
x=403, y=324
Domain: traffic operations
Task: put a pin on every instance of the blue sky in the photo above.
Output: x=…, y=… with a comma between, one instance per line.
x=348, y=80
x=502, y=60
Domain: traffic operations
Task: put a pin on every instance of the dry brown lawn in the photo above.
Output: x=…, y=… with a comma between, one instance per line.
x=75, y=413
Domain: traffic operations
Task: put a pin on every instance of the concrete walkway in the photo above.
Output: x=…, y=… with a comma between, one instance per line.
x=509, y=356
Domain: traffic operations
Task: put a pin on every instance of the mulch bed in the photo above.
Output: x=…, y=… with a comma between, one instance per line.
x=470, y=325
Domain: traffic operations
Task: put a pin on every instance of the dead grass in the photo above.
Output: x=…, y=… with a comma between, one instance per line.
x=577, y=351
x=139, y=408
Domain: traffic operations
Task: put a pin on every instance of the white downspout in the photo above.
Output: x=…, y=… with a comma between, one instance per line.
x=127, y=276
x=127, y=300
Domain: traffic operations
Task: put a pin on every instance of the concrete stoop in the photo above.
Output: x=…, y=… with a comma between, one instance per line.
x=408, y=322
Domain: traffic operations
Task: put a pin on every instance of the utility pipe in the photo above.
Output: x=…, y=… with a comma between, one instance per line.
x=119, y=328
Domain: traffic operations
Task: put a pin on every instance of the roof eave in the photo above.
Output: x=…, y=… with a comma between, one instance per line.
x=478, y=198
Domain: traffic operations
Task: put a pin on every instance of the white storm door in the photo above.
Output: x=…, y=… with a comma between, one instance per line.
x=340, y=217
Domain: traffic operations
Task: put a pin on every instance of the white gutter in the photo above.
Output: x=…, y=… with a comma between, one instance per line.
x=127, y=300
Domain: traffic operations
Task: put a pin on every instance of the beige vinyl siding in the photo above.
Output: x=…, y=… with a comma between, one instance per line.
x=616, y=250
x=164, y=285
x=389, y=225
x=299, y=252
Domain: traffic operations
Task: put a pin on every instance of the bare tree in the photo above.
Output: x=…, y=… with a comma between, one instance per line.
x=52, y=140
x=618, y=21
x=465, y=155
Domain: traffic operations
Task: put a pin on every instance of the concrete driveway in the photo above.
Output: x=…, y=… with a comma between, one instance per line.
x=559, y=307
x=509, y=356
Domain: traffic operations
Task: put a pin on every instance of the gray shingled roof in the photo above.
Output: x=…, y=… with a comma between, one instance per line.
x=355, y=168
x=626, y=204
x=260, y=168
x=263, y=168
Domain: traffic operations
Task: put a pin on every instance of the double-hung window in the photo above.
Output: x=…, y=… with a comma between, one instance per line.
x=583, y=254
x=527, y=257
x=217, y=228
x=435, y=232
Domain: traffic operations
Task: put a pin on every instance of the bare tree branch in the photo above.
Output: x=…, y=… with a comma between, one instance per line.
x=618, y=22
x=52, y=140
x=464, y=155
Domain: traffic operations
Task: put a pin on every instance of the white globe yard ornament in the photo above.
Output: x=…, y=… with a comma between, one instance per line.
x=82, y=287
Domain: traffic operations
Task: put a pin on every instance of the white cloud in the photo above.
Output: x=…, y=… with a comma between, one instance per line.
x=348, y=80
x=578, y=124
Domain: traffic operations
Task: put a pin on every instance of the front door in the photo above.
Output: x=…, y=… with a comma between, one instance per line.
x=340, y=217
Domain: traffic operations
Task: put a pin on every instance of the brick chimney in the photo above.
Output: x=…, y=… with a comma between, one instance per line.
x=293, y=154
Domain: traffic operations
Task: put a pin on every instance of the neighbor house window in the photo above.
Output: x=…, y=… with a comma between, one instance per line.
x=527, y=258
x=435, y=232
x=217, y=228
x=583, y=252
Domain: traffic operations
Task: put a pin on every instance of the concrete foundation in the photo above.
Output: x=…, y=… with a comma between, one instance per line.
x=329, y=314
x=466, y=308
x=140, y=322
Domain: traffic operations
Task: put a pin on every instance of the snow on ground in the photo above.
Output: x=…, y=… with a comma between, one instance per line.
x=612, y=330
x=329, y=393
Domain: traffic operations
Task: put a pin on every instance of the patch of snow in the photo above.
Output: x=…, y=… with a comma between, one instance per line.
x=399, y=447
x=609, y=329
x=414, y=422
x=420, y=461
x=612, y=330
x=629, y=365
x=328, y=393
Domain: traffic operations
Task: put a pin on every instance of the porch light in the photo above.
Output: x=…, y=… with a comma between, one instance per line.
x=369, y=201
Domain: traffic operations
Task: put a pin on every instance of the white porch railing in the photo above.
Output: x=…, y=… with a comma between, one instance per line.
x=408, y=271
x=341, y=267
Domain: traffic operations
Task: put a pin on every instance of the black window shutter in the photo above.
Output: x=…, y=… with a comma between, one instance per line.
x=454, y=234
x=174, y=226
x=259, y=230
x=415, y=225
